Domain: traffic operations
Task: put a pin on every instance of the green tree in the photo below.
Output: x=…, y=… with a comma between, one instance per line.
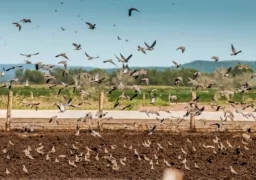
x=19, y=73
x=34, y=76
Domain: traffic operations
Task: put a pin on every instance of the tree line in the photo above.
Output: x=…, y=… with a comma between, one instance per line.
x=164, y=78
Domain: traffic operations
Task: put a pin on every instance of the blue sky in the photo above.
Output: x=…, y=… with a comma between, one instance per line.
x=204, y=27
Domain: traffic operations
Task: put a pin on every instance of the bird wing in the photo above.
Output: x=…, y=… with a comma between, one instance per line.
x=69, y=100
x=147, y=45
x=71, y=83
x=175, y=63
x=122, y=57
x=58, y=107
x=118, y=58
x=153, y=128
x=228, y=70
x=74, y=44
x=130, y=12
x=112, y=62
x=87, y=55
x=233, y=49
x=35, y=54
x=127, y=59
x=65, y=56
x=59, y=91
x=88, y=23
x=154, y=43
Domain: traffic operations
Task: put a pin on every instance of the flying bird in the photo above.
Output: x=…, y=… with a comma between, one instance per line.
x=65, y=63
x=124, y=60
x=151, y=130
x=13, y=67
x=110, y=61
x=182, y=48
x=142, y=49
x=38, y=65
x=63, y=55
x=118, y=38
x=61, y=107
x=150, y=48
x=228, y=71
x=17, y=25
x=77, y=46
x=216, y=58
x=25, y=20
x=91, y=26
x=90, y=57
x=132, y=9
x=176, y=64
x=234, y=52
x=29, y=55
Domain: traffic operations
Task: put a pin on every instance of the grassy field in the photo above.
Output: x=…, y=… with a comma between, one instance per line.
x=48, y=97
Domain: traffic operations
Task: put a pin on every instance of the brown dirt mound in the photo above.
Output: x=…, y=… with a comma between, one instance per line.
x=211, y=166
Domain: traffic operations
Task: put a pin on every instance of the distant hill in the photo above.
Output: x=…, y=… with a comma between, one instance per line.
x=210, y=66
x=200, y=65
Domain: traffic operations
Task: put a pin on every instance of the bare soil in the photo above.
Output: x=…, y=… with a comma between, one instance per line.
x=212, y=165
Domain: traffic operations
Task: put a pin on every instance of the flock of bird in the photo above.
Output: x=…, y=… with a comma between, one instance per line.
x=75, y=155
x=138, y=74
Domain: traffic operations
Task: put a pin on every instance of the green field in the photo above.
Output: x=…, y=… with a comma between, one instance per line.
x=48, y=97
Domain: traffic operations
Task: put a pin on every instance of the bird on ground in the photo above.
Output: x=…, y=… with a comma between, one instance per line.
x=25, y=169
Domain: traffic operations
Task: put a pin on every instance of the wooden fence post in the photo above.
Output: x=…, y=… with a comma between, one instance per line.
x=192, y=121
x=192, y=114
x=9, y=111
x=101, y=100
x=31, y=95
